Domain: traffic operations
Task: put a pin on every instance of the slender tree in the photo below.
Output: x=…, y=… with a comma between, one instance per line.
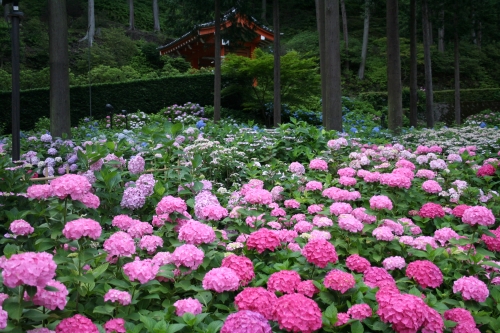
x=394, y=97
x=59, y=69
x=457, y=67
x=217, y=62
x=156, y=16
x=91, y=23
x=320, y=21
x=441, y=30
x=345, y=33
x=428, y=68
x=277, y=64
x=131, y=15
x=413, y=64
x=332, y=117
x=6, y=11
x=263, y=15
x=364, y=46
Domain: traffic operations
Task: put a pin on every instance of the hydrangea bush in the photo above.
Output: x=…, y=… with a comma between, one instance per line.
x=291, y=230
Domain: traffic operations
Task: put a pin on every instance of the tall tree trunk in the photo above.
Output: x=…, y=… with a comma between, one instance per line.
x=394, y=98
x=345, y=33
x=6, y=12
x=131, y=15
x=457, y=68
x=364, y=47
x=413, y=64
x=277, y=63
x=431, y=31
x=441, y=31
x=91, y=24
x=217, y=63
x=59, y=69
x=263, y=15
x=320, y=21
x=333, y=115
x=479, y=34
x=156, y=16
x=428, y=68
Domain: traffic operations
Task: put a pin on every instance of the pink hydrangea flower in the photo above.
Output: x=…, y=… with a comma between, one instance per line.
x=242, y=266
x=380, y=202
x=463, y=318
x=187, y=255
x=347, y=181
x=119, y=244
x=70, y=185
x=123, y=222
x=338, y=208
x=263, y=239
x=303, y=226
x=431, y=186
x=139, y=229
x=342, y=318
x=425, y=273
x=320, y=252
x=471, y=288
x=256, y=299
x=431, y=210
x=405, y=164
x=377, y=277
x=478, y=215
x=395, y=180
x=21, y=228
x=196, y=233
x=283, y=281
x=213, y=212
x=360, y=214
x=315, y=208
x=395, y=227
x=141, y=270
x=133, y=198
x=350, y=223
x=360, y=311
x=357, y=263
x=486, y=170
x=246, y=322
x=317, y=164
x=39, y=192
x=221, y=279
x=114, y=295
x=150, y=243
x=395, y=262
x=314, y=186
x=443, y=235
x=383, y=234
x=348, y=172
x=29, y=268
x=322, y=221
x=424, y=173
x=77, y=323
x=170, y=204
x=136, y=164
x=82, y=228
x=258, y=196
x=339, y=281
x=307, y=288
x=50, y=299
x=116, y=325
x=297, y=168
x=320, y=234
x=459, y=210
x=493, y=243
x=297, y=313
x=187, y=305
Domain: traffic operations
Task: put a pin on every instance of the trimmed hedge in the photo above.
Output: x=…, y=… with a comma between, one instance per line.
x=146, y=95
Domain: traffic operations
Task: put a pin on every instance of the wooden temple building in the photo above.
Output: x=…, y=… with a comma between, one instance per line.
x=239, y=34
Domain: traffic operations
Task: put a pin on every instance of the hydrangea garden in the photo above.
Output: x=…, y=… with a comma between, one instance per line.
x=190, y=226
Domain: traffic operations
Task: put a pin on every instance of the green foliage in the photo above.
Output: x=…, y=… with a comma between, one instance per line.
x=305, y=42
x=489, y=117
x=42, y=125
x=299, y=78
x=146, y=95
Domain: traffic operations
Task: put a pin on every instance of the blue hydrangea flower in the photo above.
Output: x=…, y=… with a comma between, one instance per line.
x=482, y=125
x=376, y=129
x=200, y=124
x=354, y=129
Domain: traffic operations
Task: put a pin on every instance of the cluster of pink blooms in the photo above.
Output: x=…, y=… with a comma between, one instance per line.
x=471, y=288
x=486, y=170
x=431, y=210
x=170, y=204
x=29, y=268
x=395, y=262
x=320, y=252
x=284, y=281
x=123, y=222
x=359, y=311
x=242, y=266
x=443, y=235
x=50, y=299
x=297, y=313
x=425, y=273
x=196, y=233
x=314, y=186
x=317, y=164
x=246, y=322
x=357, y=263
x=82, y=228
x=133, y=198
x=463, y=318
x=187, y=255
x=150, y=243
x=338, y=194
x=141, y=270
x=350, y=223
x=377, y=277
x=431, y=186
x=493, y=243
x=77, y=323
x=116, y=325
x=297, y=168
x=21, y=228
x=257, y=196
x=478, y=215
x=395, y=180
x=338, y=208
x=347, y=181
x=263, y=239
x=187, y=305
x=307, y=288
x=136, y=164
x=119, y=244
x=339, y=281
x=360, y=214
x=383, y=233
x=221, y=279
x=256, y=299
x=114, y=295
x=380, y=202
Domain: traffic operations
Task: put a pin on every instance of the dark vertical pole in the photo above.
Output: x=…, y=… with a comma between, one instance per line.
x=15, y=17
x=277, y=63
x=413, y=64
